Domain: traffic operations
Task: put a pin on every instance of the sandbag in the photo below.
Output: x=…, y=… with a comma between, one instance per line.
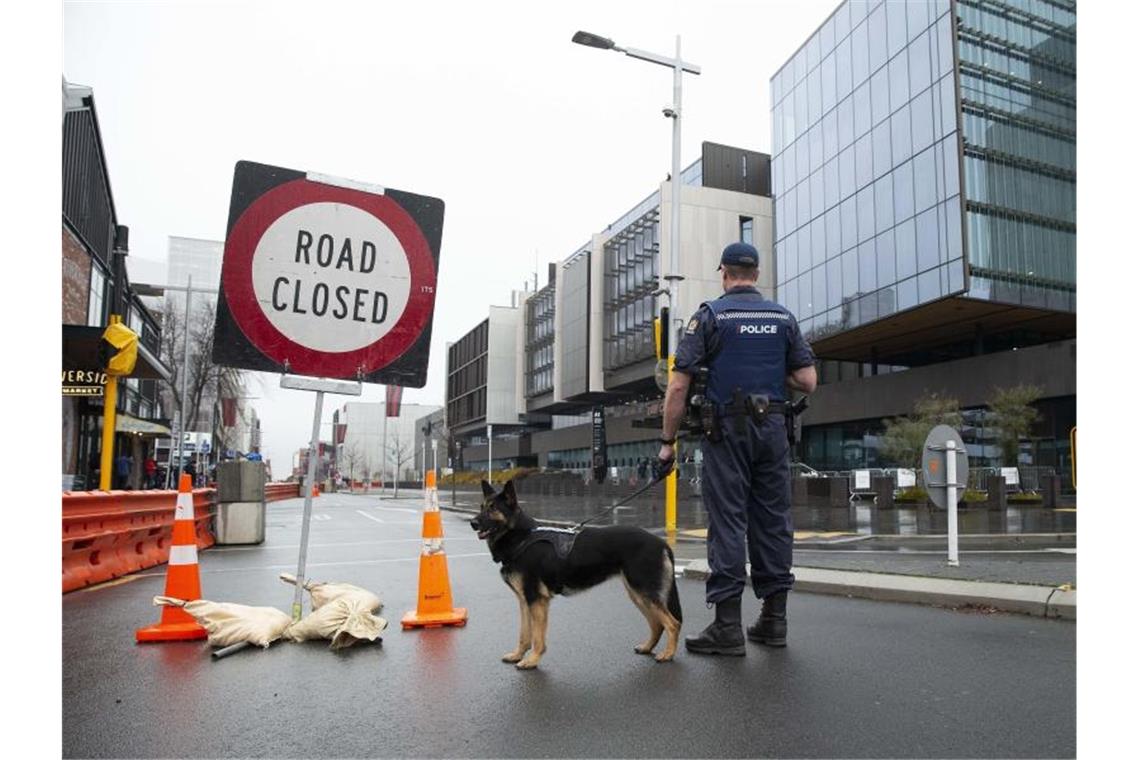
x=321, y=593
x=228, y=623
x=345, y=621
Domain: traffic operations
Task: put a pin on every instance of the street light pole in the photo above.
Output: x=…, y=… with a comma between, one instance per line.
x=672, y=274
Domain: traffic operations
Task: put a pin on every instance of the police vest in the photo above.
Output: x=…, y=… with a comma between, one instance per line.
x=753, y=344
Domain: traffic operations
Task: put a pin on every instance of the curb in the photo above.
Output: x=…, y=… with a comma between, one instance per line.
x=1039, y=601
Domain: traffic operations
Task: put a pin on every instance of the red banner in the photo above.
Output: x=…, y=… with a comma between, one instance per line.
x=392, y=403
x=229, y=412
x=340, y=431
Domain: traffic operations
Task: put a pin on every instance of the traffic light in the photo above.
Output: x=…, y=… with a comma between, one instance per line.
x=119, y=349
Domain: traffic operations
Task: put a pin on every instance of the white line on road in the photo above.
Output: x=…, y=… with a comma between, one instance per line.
x=292, y=547
x=336, y=564
x=374, y=518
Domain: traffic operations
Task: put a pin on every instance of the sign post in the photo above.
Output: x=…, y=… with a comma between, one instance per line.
x=946, y=468
x=321, y=387
x=330, y=282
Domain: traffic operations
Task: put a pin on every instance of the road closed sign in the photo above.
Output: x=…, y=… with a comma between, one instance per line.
x=327, y=277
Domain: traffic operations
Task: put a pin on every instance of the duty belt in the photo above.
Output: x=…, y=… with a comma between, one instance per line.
x=741, y=409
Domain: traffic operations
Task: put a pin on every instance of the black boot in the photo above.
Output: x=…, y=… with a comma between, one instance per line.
x=771, y=627
x=723, y=635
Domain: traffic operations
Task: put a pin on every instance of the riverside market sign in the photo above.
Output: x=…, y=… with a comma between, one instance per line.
x=81, y=382
x=327, y=277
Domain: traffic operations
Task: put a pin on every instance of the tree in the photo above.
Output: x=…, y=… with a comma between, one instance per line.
x=201, y=369
x=398, y=452
x=1013, y=416
x=904, y=437
x=354, y=458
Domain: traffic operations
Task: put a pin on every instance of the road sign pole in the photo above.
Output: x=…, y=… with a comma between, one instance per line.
x=952, y=502
x=314, y=452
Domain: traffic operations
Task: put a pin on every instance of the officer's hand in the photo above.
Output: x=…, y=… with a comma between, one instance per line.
x=663, y=465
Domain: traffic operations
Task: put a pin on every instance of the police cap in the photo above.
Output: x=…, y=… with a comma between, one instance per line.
x=740, y=255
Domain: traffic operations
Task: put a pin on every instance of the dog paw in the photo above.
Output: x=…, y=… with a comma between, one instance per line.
x=512, y=657
x=530, y=663
x=642, y=649
x=664, y=657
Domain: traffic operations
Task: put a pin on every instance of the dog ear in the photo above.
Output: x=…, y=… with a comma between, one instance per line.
x=488, y=491
x=509, y=493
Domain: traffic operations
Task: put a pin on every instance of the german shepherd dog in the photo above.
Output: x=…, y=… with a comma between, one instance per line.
x=538, y=563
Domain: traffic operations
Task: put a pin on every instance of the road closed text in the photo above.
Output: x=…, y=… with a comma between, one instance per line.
x=319, y=298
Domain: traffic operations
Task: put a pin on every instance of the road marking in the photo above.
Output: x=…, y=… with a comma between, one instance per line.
x=337, y=564
x=291, y=547
x=919, y=552
x=374, y=518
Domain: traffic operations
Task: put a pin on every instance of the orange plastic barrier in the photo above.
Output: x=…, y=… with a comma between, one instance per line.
x=279, y=491
x=108, y=534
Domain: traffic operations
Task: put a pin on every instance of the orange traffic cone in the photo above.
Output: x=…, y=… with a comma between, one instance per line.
x=181, y=576
x=434, y=606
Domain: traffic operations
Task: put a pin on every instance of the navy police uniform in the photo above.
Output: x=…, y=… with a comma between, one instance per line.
x=750, y=345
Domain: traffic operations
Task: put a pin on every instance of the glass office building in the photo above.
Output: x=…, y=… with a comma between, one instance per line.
x=926, y=149
x=924, y=182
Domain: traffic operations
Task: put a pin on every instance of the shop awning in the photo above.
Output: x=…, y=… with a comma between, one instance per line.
x=127, y=423
x=81, y=351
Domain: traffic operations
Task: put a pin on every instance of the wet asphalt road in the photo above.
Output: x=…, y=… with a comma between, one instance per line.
x=859, y=678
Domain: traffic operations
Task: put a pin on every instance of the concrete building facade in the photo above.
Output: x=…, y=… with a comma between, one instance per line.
x=536, y=370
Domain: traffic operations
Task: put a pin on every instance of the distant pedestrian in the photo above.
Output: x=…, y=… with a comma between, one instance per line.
x=642, y=469
x=93, y=466
x=190, y=470
x=150, y=469
x=123, y=471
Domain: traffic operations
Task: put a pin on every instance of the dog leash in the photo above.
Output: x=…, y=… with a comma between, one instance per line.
x=623, y=502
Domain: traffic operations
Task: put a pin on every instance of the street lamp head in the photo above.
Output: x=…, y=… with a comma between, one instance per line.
x=592, y=40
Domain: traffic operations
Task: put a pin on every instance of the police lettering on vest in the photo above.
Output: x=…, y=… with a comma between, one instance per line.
x=753, y=339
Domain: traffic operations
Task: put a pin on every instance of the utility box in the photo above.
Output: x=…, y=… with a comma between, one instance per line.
x=241, y=503
x=240, y=522
x=241, y=481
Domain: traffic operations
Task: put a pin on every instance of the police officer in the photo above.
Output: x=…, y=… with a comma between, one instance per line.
x=754, y=353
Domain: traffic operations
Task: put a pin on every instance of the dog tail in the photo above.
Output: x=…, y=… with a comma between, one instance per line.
x=673, y=603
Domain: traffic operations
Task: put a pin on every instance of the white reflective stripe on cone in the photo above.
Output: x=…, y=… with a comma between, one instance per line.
x=184, y=509
x=184, y=555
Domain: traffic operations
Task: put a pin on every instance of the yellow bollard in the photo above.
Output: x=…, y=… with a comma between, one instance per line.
x=671, y=480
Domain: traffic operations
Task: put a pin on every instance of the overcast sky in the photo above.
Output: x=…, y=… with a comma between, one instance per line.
x=533, y=143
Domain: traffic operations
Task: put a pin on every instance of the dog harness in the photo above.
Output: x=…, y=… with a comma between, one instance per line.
x=562, y=539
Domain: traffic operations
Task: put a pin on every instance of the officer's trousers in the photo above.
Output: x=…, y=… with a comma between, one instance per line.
x=747, y=494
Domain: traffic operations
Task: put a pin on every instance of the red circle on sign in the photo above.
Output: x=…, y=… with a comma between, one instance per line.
x=237, y=281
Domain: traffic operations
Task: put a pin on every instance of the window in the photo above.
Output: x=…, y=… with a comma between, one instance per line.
x=884, y=205
x=905, y=257
x=832, y=234
x=921, y=121
x=900, y=136
x=925, y=182
x=926, y=230
x=918, y=56
x=899, y=81
x=903, y=181
x=95, y=296
x=881, y=148
x=880, y=96
x=860, y=52
x=746, y=229
x=867, y=278
x=885, y=258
